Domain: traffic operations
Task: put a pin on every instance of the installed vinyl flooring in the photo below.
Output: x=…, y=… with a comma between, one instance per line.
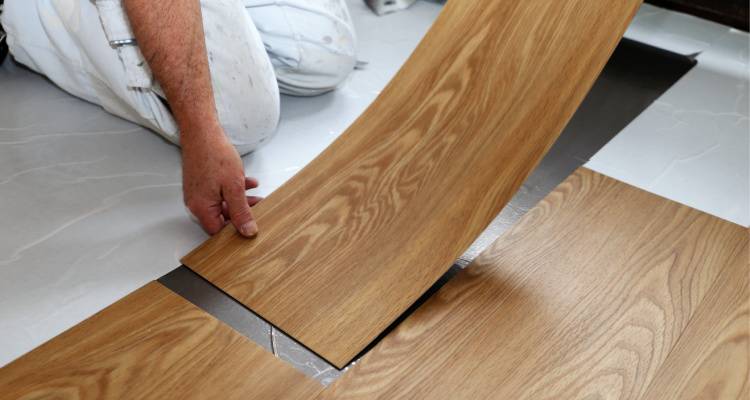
x=152, y=344
x=601, y=291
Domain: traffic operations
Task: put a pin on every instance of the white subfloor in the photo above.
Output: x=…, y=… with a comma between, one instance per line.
x=692, y=144
x=91, y=205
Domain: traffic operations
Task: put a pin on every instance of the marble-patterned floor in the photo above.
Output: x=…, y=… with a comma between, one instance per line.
x=91, y=205
x=692, y=144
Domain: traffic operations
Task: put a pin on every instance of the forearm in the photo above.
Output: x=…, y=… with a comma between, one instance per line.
x=170, y=36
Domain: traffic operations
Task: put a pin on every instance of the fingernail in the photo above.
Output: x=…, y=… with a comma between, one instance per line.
x=249, y=229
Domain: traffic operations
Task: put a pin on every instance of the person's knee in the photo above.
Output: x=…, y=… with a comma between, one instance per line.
x=252, y=123
x=320, y=70
x=312, y=44
x=243, y=80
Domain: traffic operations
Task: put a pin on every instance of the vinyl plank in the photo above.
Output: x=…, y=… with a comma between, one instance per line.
x=360, y=233
x=634, y=77
x=712, y=358
x=152, y=344
x=584, y=298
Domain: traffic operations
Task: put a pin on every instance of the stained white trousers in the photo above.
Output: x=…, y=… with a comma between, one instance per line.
x=256, y=48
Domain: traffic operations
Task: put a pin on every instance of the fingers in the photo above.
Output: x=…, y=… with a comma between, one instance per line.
x=239, y=210
x=251, y=183
x=235, y=207
x=209, y=216
x=251, y=201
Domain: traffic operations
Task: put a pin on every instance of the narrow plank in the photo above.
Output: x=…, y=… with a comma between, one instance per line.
x=355, y=237
x=583, y=299
x=152, y=344
x=712, y=358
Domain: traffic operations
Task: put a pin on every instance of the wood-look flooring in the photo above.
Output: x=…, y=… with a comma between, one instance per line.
x=152, y=344
x=602, y=291
x=360, y=233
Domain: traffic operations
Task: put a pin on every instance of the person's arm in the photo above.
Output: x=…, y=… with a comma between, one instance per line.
x=170, y=36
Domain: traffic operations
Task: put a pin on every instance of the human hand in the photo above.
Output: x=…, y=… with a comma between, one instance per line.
x=172, y=40
x=214, y=185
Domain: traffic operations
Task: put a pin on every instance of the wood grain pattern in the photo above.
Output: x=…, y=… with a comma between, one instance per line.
x=711, y=360
x=585, y=298
x=152, y=344
x=354, y=238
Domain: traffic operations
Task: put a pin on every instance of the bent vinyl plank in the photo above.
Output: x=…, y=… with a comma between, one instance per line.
x=152, y=344
x=600, y=291
x=354, y=238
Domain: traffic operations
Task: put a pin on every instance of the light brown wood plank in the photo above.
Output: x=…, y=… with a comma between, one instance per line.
x=583, y=299
x=360, y=233
x=152, y=344
x=711, y=360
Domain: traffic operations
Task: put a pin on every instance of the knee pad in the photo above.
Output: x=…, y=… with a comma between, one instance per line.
x=312, y=44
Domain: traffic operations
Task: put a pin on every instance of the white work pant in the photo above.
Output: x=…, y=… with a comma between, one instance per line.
x=255, y=49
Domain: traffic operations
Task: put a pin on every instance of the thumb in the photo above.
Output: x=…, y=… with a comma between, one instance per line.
x=239, y=212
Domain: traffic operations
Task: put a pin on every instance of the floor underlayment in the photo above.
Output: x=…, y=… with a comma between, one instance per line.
x=92, y=204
